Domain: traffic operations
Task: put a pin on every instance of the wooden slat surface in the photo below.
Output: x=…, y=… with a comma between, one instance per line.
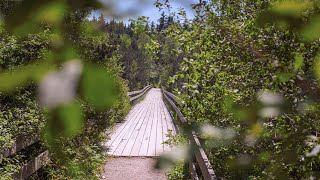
x=144, y=129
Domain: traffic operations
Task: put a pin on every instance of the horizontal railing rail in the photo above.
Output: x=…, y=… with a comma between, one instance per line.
x=33, y=165
x=137, y=94
x=134, y=93
x=20, y=143
x=201, y=159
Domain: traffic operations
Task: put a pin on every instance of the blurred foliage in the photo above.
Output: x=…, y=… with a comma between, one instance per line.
x=54, y=80
x=252, y=66
x=247, y=73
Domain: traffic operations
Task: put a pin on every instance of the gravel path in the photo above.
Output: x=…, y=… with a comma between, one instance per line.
x=132, y=168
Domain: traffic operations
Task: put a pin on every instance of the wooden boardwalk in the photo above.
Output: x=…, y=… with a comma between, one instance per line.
x=144, y=129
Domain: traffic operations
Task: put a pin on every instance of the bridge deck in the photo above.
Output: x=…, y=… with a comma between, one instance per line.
x=144, y=129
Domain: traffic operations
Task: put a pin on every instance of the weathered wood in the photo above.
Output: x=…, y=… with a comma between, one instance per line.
x=146, y=137
x=32, y=166
x=201, y=158
x=111, y=145
x=21, y=143
x=120, y=139
x=200, y=155
x=159, y=133
x=143, y=131
x=174, y=98
x=134, y=135
x=181, y=118
x=165, y=128
x=134, y=93
x=153, y=134
x=137, y=94
x=193, y=170
x=137, y=142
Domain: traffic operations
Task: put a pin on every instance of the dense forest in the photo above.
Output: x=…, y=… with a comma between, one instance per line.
x=246, y=74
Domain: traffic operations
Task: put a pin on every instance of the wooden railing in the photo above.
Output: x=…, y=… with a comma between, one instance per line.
x=23, y=142
x=20, y=143
x=199, y=160
x=137, y=94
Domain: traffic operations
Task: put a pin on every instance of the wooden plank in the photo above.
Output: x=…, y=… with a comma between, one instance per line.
x=171, y=125
x=159, y=131
x=132, y=140
x=117, y=137
x=165, y=126
x=123, y=140
x=32, y=166
x=125, y=122
x=139, y=140
x=123, y=135
x=153, y=134
x=181, y=118
x=146, y=137
x=118, y=131
x=174, y=98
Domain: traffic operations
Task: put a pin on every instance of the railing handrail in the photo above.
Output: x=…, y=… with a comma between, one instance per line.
x=133, y=93
x=137, y=94
x=33, y=165
x=173, y=97
x=200, y=155
x=20, y=143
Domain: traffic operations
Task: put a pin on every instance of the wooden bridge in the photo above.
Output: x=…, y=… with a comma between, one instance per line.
x=142, y=133
x=144, y=129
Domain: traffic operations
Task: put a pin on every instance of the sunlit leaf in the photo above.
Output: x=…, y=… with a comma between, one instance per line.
x=64, y=122
x=98, y=87
x=72, y=118
x=52, y=13
x=298, y=63
x=10, y=80
x=27, y=9
x=284, y=77
x=291, y=7
x=311, y=31
x=317, y=66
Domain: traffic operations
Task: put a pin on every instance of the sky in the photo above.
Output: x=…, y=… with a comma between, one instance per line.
x=123, y=10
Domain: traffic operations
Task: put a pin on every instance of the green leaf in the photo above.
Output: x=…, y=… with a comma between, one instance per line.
x=298, y=63
x=9, y=80
x=71, y=118
x=98, y=87
x=283, y=77
x=291, y=7
x=63, y=122
x=317, y=66
x=311, y=31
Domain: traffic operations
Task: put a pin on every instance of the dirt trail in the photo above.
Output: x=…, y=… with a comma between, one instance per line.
x=132, y=168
